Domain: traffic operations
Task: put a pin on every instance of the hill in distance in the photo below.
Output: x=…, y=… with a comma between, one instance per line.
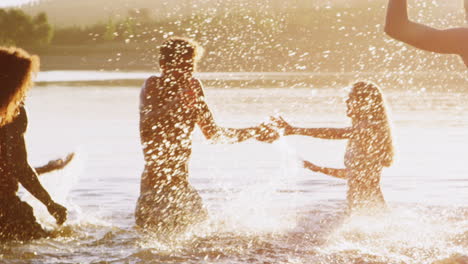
x=87, y=12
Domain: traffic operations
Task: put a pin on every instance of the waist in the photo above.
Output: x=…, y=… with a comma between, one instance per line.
x=7, y=197
x=8, y=187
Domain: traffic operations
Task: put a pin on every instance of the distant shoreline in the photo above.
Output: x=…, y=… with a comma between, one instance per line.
x=454, y=81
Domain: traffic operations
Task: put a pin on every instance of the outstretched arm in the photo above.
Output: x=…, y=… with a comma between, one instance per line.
x=324, y=133
x=337, y=173
x=214, y=132
x=398, y=26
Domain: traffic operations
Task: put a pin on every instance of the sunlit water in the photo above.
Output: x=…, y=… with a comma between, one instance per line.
x=264, y=208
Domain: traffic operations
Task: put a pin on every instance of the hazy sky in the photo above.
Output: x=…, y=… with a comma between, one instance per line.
x=6, y=3
x=9, y=3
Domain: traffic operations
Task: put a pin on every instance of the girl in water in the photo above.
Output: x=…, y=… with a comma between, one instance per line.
x=369, y=147
x=171, y=105
x=17, y=221
x=447, y=41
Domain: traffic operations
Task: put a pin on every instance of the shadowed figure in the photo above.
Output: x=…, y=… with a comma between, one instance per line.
x=17, y=220
x=369, y=147
x=171, y=105
x=446, y=41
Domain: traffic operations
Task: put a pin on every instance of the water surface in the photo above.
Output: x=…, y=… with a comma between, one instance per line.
x=264, y=208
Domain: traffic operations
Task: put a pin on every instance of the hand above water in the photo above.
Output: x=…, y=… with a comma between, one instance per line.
x=58, y=212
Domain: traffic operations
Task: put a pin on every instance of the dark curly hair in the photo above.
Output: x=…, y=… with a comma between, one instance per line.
x=16, y=70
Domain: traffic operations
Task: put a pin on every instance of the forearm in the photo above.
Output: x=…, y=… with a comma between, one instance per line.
x=400, y=27
x=46, y=168
x=234, y=135
x=397, y=16
x=31, y=183
x=337, y=173
x=324, y=133
x=55, y=164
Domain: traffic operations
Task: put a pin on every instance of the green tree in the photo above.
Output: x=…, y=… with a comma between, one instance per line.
x=20, y=29
x=109, y=35
x=43, y=31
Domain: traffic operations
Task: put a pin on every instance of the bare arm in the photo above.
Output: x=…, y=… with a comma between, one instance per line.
x=398, y=26
x=324, y=133
x=214, y=132
x=28, y=177
x=54, y=165
x=337, y=173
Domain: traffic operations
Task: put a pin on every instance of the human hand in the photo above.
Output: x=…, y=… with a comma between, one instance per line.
x=281, y=123
x=266, y=133
x=61, y=163
x=58, y=212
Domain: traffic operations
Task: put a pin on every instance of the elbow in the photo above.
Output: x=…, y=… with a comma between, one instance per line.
x=391, y=30
x=397, y=29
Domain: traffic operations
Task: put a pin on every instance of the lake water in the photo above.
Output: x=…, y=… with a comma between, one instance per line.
x=264, y=208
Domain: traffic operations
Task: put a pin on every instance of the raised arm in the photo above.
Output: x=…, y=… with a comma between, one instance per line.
x=324, y=133
x=447, y=41
x=337, y=173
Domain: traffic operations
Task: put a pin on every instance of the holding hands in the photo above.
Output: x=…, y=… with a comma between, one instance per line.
x=266, y=133
x=280, y=123
x=273, y=130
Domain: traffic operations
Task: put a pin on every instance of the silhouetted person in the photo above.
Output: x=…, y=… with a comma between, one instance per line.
x=171, y=105
x=17, y=220
x=369, y=147
x=446, y=41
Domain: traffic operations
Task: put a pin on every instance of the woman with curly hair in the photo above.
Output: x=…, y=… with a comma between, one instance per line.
x=17, y=220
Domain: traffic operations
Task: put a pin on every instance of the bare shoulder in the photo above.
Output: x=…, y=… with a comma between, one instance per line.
x=150, y=86
x=151, y=82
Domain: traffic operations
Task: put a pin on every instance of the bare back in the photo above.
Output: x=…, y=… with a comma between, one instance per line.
x=166, y=125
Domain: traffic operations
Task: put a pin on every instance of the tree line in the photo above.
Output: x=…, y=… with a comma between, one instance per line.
x=337, y=39
x=20, y=29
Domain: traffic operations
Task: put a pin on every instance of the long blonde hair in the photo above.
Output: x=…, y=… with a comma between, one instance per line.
x=373, y=109
x=16, y=70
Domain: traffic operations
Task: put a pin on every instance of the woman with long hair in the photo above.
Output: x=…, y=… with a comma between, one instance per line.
x=17, y=220
x=369, y=148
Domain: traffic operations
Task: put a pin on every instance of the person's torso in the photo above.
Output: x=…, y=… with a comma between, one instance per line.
x=10, y=134
x=166, y=122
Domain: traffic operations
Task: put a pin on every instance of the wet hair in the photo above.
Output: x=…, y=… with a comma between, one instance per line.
x=179, y=54
x=16, y=70
x=373, y=108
